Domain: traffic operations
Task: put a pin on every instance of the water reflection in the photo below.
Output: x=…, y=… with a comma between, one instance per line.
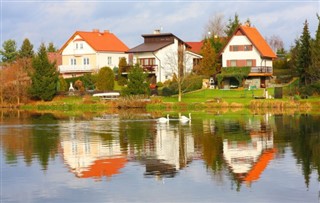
x=248, y=158
x=86, y=150
x=232, y=148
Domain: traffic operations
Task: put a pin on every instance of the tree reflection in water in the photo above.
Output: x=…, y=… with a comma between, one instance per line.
x=240, y=145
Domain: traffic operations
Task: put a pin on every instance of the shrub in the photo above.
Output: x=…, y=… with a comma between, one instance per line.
x=137, y=84
x=166, y=91
x=122, y=81
x=105, y=79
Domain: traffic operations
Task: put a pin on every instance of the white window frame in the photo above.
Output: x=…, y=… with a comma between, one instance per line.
x=73, y=61
x=233, y=63
x=86, y=61
x=109, y=60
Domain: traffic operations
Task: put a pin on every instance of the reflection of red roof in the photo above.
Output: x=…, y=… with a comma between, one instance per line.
x=258, y=168
x=104, y=167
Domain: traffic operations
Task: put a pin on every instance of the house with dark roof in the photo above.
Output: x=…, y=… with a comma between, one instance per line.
x=247, y=48
x=161, y=54
x=87, y=52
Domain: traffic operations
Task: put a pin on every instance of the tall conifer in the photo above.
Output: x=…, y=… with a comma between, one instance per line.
x=314, y=70
x=45, y=76
x=26, y=50
x=304, y=55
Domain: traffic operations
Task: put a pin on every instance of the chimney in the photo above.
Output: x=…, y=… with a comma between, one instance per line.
x=95, y=30
x=106, y=31
x=157, y=31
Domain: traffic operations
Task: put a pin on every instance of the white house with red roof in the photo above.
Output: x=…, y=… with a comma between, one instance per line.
x=87, y=52
x=248, y=48
x=160, y=56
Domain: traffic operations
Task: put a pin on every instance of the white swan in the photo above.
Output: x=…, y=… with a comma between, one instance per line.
x=185, y=119
x=163, y=119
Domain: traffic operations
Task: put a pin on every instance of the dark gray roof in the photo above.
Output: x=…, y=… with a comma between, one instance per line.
x=148, y=47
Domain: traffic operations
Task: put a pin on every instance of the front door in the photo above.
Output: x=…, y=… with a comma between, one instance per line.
x=263, y=82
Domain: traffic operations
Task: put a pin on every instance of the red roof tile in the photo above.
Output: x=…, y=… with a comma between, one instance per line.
x=195, y=46
x=258, y=41
x=100, y=41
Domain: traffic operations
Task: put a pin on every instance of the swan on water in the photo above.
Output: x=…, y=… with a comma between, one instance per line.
x=163, y=119
x=184, y=118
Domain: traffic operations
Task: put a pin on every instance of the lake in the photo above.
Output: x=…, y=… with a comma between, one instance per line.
x=132, y=157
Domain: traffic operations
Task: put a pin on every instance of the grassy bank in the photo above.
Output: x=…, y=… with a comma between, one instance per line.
x=194, y=101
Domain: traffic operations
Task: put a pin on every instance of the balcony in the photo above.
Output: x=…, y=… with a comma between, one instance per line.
x=261, y=70
x=76, y=69
x=146, y=68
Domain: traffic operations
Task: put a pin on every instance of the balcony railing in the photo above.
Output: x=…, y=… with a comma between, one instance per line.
x=75, y=68
x=261, y=69
x=146, y=68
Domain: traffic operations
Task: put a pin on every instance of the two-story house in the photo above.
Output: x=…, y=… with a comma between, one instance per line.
x=161, y=54
x=247, y=48
x=87, y=52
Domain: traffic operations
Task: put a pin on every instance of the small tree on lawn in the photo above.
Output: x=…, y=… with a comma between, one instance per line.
x=176, y=61
x=136, y=82
x=44, y=78
x=105, y=79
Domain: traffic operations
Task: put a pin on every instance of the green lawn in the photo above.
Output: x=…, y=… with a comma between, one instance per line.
x=237, y=95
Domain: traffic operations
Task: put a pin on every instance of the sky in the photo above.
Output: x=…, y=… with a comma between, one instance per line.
x=57, y=20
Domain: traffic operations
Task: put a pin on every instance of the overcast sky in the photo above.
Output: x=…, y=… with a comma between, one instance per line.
x=56, y=20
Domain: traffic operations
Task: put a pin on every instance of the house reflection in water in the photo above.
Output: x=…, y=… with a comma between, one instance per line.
x=248, y=159
x=87, y=154
x=173, y=150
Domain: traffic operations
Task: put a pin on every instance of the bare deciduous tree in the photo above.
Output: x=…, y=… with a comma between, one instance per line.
x=176, y=66
x=275, y=43
x=215, y=26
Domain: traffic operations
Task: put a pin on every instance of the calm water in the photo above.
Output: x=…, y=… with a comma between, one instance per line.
x=134, y=158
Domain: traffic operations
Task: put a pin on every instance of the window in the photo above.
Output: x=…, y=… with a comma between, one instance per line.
x=81, y=46
x=234, y=48
x=76, y=45
x=73, y=61
x=85, y=61
x=248, y=47
x=147, y=62
x=109, y=60
x=233, y=63
x=249, y=63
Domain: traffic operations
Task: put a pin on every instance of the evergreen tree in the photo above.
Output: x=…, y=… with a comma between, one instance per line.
x=105, y=79
x=232, y=25
x=62, y=85
x=208, y=62
x=44, y=78
x=136, y=82
x=89, y=80
x=26, y=50
x=314, y=70
x=122, y=65
x=9, y=52
x=304, y=55
x=51, y=47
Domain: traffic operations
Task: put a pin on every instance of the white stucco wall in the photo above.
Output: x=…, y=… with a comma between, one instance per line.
x=97, y=60
x=102, y=59
x=70, y=49
x=242, y=55
x=167, y=61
